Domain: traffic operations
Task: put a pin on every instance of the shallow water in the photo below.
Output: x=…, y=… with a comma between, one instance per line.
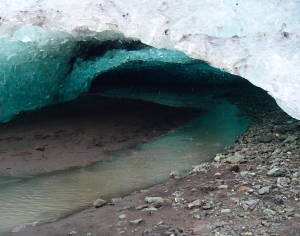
x=48, y=197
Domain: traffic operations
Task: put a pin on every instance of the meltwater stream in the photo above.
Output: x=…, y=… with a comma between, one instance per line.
x=48, y=197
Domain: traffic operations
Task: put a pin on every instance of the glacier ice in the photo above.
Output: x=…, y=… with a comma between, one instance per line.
x=255, y=39
x=41, y=66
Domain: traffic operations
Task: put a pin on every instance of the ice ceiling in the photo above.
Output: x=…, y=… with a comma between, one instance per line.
x=51, y=51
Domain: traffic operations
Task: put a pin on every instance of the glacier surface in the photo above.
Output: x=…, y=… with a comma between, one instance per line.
x=39, y=39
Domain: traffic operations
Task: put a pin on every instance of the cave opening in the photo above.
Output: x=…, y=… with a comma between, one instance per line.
x=138, y=68
x=197, y=78
x=143, y=117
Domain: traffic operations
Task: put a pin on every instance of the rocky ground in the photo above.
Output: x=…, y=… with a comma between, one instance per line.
x=252, y=188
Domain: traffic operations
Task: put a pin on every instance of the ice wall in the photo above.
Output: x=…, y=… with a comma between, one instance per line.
x=40, y=67
x=256, y=39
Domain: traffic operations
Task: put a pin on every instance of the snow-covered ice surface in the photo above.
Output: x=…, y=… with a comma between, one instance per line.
x=255, y=39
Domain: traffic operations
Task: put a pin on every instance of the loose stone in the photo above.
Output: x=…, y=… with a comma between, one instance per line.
x=244, y=188
x=207, y=188
x=297, y=215
x=216, y=225
x=234, y=168
x=136, y=221
x=269, y=212
x=225, y=211
x=150, y=209
x=266, y=138
x=175, y=175
x=122, y=223
x=251, y=202
x=276, y=172
x=251, y=190
x=121, y=217
x=265, y=223
x=278, y=199
x=160, y=223
x=264, y=190
x=296, y=174
x=289, y=209
x=248, y=233
x=244, y=173
x=159, y=202
x=40, y=148
x=72, y=232
x=199, y=168
x=236, y=158
x=222, y=187
x=197, y=203
x=141, y=207
x=283, y=182
x=99, y=203
x=290, y=139
x=195, y=211
x=153, y=199
x=217, y=159
x=206, y=207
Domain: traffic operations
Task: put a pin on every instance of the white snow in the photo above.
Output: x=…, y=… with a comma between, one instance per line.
x=256, y=39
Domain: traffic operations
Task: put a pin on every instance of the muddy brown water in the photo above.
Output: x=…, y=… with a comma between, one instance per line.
x=49, y=197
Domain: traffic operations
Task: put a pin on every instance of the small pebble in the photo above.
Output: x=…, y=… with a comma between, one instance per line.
x=99, y=203
x=264, y=190
x=136, y=221
x=121, y=217
x=269, y=212
x=225, y=211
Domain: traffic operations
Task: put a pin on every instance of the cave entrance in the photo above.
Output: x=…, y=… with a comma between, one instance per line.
x=188, y=76
x=150, y=80
x=135, y=143
x=184, y=121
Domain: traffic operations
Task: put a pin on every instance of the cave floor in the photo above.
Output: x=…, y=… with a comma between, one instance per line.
x=252, y=188
x=83, y=131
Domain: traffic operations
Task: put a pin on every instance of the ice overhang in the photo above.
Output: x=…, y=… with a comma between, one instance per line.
x=257, y=40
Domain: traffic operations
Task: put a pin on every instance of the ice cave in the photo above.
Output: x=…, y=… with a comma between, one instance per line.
x=43, y=43
x=61, y=58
